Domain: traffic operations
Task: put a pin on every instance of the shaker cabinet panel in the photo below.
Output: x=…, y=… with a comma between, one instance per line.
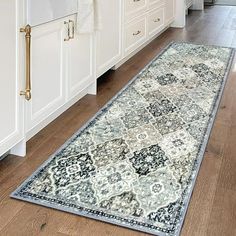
x=134, y=8
x=155, y=21
x=79, y=61
x=155, y=4
x=135, y=34
x=169, y=11
x=47, y=72
x=109, y=37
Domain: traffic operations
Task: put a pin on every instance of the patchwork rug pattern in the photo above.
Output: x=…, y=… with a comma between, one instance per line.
x=135, y=163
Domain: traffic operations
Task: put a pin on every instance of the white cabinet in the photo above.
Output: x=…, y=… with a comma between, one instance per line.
x=62, y=69
x=169, y=11
x=79, y=61
x=155, y=3
x=134, y=8
x=144, y=20
x=109, y=37
x=155, y=21
x=64, y=66
x=11, y=118
x=47, y=72
x=135, y=34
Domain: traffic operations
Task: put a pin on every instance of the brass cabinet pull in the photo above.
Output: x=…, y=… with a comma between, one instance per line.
x=68, y=31
x=137, y=33
x=27, y=92
x=157, y=20
x=73, y=29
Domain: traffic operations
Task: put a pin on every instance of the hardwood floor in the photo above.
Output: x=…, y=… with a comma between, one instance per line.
x=212, y=211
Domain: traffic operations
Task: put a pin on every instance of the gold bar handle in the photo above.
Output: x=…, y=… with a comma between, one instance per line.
x=68, y=31
x=27, y=92
x=73, y=29
x=137, y=33
x=157, y=20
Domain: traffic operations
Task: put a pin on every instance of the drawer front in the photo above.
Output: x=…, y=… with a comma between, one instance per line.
x=135, y=34
x=155, y=21
x=155, y=3
x=134, y=8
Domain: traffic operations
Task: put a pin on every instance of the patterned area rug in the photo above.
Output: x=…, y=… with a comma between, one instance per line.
x=135, y=163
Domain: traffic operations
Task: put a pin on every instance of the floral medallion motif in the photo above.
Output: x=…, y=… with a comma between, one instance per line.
x=106, y=128
x=125, y=203
x=162, y=107
x=197, y=128
x=148, y=159
x=154, y=96
x=131, y=101
x=71, y=168
x=81, y=191
x=135, y=163
x=167, y=79
x=110, y=152
x=141, y=137
x=136, y=118
x=184, y=74
x=156, y=190
x=166, y=216
x=146, y=85
x=178, y=143
x=181, y=100
x=181, y=167
x=173, y=91
x=84, y=142
x=113, y=179
x=168, y=123
x=202, y=96
x=192, y=112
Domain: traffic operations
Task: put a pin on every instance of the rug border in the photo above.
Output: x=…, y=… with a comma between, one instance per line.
x=200, y=153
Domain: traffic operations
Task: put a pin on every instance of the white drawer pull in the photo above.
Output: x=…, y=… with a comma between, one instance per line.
x=137, y=33
x=157, y=20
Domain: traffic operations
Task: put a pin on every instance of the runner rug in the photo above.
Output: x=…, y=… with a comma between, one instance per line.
x=135, y=163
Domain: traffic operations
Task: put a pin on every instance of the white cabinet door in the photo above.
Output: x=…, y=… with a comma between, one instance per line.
x=11, y=104
x=79, y=62
x=109, y=38
x=169, y=11
x=47, y=72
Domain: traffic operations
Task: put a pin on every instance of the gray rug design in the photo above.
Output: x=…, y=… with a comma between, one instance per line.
x=135, y=163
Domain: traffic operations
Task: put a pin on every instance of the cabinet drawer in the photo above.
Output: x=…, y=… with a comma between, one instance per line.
x=134, y=8
x=135, y=34
x=155, y=21
x=155, y=3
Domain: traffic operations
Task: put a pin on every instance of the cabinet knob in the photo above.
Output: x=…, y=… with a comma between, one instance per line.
x=137, y=33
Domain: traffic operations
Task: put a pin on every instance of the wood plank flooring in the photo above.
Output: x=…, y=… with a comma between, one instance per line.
x=212, y=211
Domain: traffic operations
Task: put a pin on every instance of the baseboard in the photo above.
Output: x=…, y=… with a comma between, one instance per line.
x=4, y=155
